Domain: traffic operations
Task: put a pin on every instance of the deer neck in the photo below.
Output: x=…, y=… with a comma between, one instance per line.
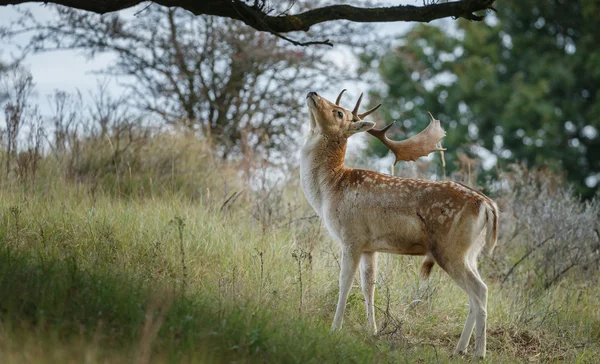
x=321, y=167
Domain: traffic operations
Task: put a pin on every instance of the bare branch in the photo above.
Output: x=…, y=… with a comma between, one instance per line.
x=258, y=18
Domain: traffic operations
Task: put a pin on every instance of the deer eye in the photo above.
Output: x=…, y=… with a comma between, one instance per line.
x=340, y=114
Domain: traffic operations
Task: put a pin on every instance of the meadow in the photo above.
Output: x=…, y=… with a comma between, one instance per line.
x=163, y=252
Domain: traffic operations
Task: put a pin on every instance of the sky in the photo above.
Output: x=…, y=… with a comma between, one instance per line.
x=59, y=70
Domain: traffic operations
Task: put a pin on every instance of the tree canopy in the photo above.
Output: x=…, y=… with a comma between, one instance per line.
x=524, y=86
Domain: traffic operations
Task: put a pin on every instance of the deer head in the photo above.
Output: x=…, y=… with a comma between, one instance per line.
x=332, y=120
x=410, y=149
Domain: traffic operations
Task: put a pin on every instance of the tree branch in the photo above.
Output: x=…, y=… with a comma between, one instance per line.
x=258, y=18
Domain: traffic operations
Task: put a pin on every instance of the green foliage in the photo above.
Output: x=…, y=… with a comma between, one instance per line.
x=523, y=86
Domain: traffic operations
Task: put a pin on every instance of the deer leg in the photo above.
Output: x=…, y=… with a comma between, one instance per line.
x=477, y=290
x=368, y=271
x=466, y=277
x=350, y=259
x=465, y=337
x=459, y=276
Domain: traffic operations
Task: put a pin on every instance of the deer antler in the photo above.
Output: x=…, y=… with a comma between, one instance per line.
x=420, y=145
x=337, y=101
x=355, y=113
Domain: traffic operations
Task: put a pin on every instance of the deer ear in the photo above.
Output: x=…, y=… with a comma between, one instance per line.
x=360, y=126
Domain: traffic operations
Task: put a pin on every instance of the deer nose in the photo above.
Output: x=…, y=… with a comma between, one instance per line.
x=311, y=94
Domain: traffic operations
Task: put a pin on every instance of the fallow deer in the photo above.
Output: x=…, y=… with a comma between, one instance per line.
x=370, y=212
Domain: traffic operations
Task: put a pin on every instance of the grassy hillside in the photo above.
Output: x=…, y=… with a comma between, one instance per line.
x=178, y=262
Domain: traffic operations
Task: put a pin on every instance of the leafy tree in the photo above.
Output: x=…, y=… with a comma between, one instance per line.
x=524, y=86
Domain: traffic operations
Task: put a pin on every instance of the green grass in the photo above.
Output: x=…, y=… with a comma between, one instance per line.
x=97, y=278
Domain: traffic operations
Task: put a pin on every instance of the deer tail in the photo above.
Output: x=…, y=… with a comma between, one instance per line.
x=427, y=266
x=491, y=226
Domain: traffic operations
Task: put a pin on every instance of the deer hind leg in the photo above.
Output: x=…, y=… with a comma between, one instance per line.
x=478, y=291
x=472, y=284
x=350, y=258
x=464, y=273
x=465, y=336
x=368, y=271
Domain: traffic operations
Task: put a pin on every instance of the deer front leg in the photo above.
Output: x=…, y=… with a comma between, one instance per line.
x=368, y=272
x=350, y=258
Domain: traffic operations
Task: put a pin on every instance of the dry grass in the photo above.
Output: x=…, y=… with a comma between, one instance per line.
x=167, y=254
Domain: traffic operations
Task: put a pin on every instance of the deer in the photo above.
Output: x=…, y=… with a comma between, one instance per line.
x=369, y=212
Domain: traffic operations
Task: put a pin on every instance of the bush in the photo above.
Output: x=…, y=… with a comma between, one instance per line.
x=552, y=231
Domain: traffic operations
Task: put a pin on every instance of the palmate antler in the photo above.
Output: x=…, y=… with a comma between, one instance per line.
x=419, y=145
x=410, y=149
